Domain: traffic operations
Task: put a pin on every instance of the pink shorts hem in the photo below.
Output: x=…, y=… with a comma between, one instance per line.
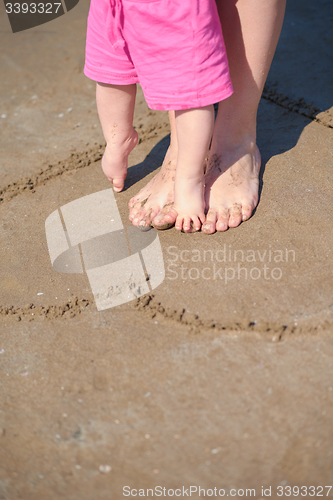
x=191, y=103
x=159, y=104
x=104, y=77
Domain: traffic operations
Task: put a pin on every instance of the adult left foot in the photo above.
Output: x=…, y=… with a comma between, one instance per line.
x=157, y=196
x=232, y=184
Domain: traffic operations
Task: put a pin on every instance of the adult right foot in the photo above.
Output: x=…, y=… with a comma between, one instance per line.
x=232, y=184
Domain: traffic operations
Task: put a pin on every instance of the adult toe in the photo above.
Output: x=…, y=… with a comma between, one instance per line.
x=133, y=201
x=246, y=212
x=138, y=217
x=209, y=226
x=165, y=219
x=222, y=223
x=235, y=217
x=133, y=212
x=145, y=220
x=149, y=215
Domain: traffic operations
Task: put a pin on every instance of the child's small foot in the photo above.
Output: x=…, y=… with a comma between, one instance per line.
x=115, y=158
x=187, y=213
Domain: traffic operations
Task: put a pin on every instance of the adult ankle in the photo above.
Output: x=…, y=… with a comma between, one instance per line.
x=233, y=141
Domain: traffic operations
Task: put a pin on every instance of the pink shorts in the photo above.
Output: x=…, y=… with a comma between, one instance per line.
x=173, y=48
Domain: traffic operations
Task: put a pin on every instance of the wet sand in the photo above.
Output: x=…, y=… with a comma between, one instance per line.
x=220, y=377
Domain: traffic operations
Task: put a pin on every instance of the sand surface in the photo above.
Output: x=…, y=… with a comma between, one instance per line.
x=220, y=377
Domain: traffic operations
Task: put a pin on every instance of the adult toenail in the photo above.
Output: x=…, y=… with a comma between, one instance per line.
x=144, y=228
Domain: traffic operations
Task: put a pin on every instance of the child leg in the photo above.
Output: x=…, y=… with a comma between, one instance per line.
x=115, y=105
x=194, y=128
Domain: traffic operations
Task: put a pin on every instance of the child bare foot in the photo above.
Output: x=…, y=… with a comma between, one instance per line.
x=194, y=130
x=187, y=213
x=115, y=159
x=115, y=105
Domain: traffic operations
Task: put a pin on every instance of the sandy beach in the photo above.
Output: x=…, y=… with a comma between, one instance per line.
x=221, y=376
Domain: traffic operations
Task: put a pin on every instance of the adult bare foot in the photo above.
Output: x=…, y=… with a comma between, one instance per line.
x=232, y=183
x=157, y=196
x=251, y=31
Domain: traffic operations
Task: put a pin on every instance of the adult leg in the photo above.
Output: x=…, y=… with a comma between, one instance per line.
x=251, y=29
